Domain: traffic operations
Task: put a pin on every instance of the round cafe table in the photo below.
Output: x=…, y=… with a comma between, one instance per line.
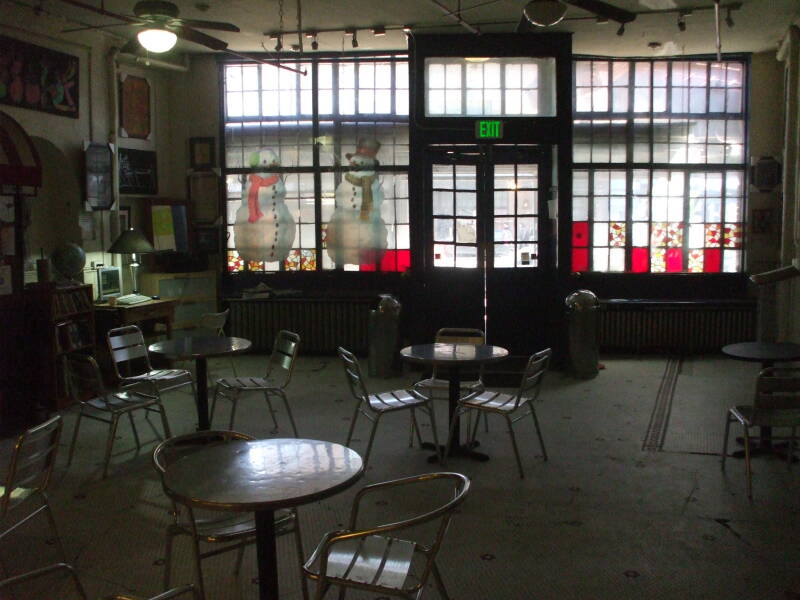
x=262, y=476
x=453, y=357
x=766, y=353
x=200, y=349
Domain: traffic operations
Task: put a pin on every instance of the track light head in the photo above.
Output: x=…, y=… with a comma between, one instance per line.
x=621, y=30
x=681, y=23
x=380, y=30
x=352, y=32
x=729, y=18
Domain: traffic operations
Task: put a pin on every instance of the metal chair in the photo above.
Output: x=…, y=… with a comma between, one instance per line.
x=232, y=531
x=29, y=472
x=373, y=559
x=43, y=571
x=436, y=386
x=274, y=382
x=508, y=404
x=776, y=403
x=374, y=406
x=85, y=385
x=132, y=363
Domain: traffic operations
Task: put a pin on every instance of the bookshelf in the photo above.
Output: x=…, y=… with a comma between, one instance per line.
x=62, y=321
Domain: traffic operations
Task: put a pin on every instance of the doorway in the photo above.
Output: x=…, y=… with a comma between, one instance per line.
x=490, y=259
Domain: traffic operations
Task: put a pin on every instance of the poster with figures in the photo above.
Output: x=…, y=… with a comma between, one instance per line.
x=357, y=233
x=264, y=228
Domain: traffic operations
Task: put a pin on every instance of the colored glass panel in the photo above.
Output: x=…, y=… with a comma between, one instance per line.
x=713, y=235
x=658, y=262
x=580, y=234
x=733, y=235
x=580, y=259
x=658, y=235
x=640, y=260
x=696, y=261
x=674, y=260
x=713, y=260
x=617, y=235
x=235, y=262
x=675, y=235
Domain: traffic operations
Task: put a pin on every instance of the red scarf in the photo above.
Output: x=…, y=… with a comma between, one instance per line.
x=252, y=195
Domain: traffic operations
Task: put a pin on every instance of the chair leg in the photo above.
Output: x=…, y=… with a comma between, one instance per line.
x=450, y=434
x=415, y=428
x=747, y=466
x=437, y=576
x=53, y=526
x=298, y=542
x=74, y=437
x=239, y=558
x=486, y=422
x=112, y=431
x=234, y=400
x=213, y=404
x=164, y=421
x=135, y=433
x=168, y=559
x=198, y=569
x=728, y=421
x=371, y=439
x=472, y=430
x=538, y=432
x=282, y=394
x=271, y=410
x=353, y=424
x=514, y=444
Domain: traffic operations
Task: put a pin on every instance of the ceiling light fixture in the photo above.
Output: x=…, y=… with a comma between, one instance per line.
x=314, y=42
x=279, y=42
x=544, y=13
x=379, y=30
x=157, y=40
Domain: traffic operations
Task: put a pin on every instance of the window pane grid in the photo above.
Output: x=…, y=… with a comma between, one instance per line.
x=681, y=185
x=269, y=134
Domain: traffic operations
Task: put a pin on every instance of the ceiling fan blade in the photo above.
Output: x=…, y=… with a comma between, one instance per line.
x=198, y=37
x=603, y=9
x=102, y=11
x=216, y=25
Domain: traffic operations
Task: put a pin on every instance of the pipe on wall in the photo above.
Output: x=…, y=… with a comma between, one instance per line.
x=154, y=63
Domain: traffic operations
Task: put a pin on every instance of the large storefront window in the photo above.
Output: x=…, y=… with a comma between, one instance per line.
x=659, y=166
x=316, y=165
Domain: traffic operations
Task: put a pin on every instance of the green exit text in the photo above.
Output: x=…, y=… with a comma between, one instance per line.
x=489, y=130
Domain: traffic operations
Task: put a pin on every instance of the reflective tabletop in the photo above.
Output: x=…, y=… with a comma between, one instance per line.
x=263, y=474
x=195, y=347
x=453, y=354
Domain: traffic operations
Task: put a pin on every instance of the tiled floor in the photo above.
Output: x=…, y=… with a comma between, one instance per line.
x=603, y=518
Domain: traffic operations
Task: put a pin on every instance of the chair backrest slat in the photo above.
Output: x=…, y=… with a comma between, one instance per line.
x=32, y=460
x=214, y=322
x=84, y=381
x=128, y=351
x=281, y=362
x=352, y=371
x=778, y=389
x=532, y=377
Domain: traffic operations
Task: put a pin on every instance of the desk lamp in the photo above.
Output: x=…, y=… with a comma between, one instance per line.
x=132, y=242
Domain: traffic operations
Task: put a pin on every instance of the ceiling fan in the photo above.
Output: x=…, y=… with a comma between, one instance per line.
x=544, y=13
x=161, y=25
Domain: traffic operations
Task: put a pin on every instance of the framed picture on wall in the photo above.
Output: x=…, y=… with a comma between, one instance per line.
x=137, y=172
x=202, y=153
x=98, y=176
x=208, y=240
x=134, y=107
x=204, y=194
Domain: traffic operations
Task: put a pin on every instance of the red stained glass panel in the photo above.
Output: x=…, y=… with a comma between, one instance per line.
x=674, y=260
x=712, y=262
x=580, y=259
x=640, y=260
x=580, y=235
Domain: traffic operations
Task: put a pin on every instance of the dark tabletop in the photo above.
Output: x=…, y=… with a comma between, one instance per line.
x=763, y=351
x=263, y=474
x=453, y=354
x=199, y=347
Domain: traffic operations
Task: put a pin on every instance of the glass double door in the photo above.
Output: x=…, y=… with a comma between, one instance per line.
x=490, y=253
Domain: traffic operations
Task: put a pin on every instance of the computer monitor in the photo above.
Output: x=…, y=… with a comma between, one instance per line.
x=109, y=282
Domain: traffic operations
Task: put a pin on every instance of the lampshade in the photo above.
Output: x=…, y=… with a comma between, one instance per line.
x=131, y=242
x=157, y=40
x=544, y=13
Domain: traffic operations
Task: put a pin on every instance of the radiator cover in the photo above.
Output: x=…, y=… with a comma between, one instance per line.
x=323, y=324
x=675, y=326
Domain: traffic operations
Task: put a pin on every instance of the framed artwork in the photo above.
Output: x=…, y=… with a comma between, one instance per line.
x=98, y=176
x=202, y=154
x=39, y=78
x=137, y=172
x=208, y=239
x=204, y=194
x=134, y=107
x=168, y=224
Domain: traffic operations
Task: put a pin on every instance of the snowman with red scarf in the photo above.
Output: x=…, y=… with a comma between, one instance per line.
x=356, y=233
x=264, y=229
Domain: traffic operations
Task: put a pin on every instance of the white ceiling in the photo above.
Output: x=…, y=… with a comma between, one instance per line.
x=759, y=25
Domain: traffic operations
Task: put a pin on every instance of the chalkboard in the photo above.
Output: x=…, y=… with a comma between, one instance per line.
x=137, y=172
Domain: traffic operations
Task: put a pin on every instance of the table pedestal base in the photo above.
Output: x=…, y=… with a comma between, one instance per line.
x=267, y=559
x=465, y=450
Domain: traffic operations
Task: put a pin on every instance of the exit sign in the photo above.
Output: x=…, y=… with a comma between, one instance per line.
x=489, y=130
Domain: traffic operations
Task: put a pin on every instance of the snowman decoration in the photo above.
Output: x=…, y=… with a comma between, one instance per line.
x=356, y=233
x=264, y=228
